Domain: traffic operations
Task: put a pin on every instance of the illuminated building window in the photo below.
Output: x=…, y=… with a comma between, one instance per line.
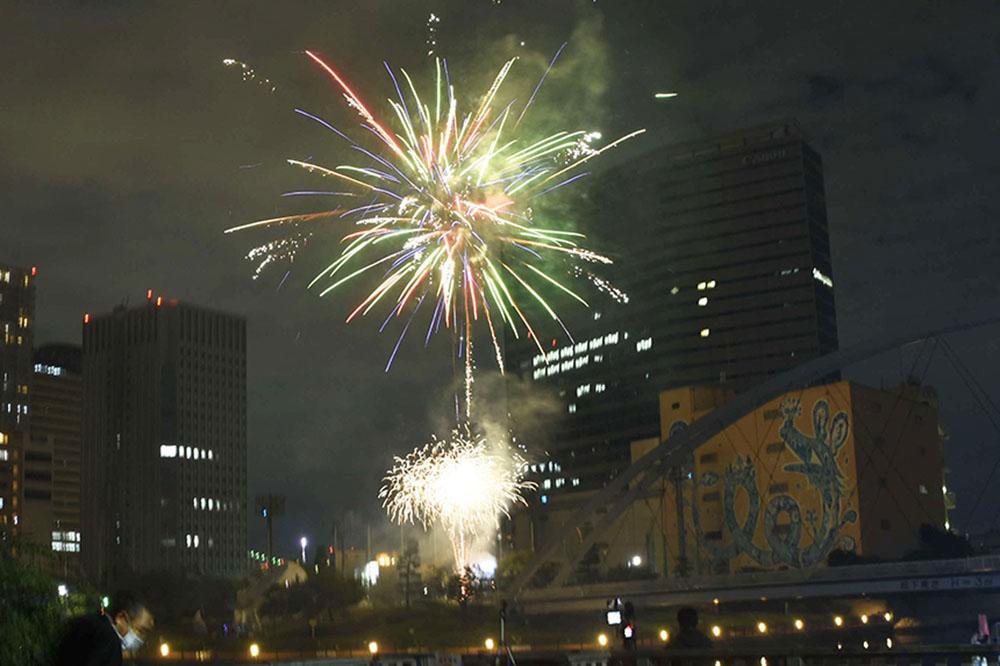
x=3, y=454
x=674, y=290
x=168, y=450
x=572, y=409
x=705, y=332
x=599, y=388
x=596, y=343
x=923, y=489
x=711, y=284
x=644, y=344
x=547, y=483
x=823, y=279
x=703, y=301
x=597, y=315
x=582, y=390
x=575, y=482
x=702, y=286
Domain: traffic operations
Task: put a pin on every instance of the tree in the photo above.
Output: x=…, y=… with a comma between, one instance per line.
x=409, y=564
x=30, y=615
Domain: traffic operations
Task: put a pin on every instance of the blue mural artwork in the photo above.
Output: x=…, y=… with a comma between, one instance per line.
x=817, y=463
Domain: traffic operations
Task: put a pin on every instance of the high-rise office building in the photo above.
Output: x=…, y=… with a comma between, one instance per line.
x=164, y=440
x=17, y=314
x=51, y=514
x=722, y=247
x=17, y=319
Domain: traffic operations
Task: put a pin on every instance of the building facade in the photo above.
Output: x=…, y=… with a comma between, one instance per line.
x=722, y=247
x=835, y=467
x=164, y=439
x=17, y=319
x=52, y=456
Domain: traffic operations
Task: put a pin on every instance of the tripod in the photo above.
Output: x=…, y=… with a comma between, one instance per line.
x=502, y=645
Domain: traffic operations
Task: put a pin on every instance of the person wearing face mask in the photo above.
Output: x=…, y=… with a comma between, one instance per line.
x=100, y=639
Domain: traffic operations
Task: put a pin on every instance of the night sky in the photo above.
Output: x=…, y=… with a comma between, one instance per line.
x=127, y=147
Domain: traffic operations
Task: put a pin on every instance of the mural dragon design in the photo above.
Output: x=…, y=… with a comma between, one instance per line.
x=817, y=463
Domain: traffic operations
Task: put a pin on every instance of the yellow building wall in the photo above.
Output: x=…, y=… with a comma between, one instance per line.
x=777, y=489
x=836, y=466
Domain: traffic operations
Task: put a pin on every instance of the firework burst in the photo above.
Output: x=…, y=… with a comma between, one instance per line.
x=464, y=485
x=443, y=213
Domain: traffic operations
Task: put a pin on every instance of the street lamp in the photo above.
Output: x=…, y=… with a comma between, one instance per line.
x=63, y=590
x=373, y=647
x=303, y=542
x=254, y=650
x=602, y=639
x=164, y=649
x=489, y=644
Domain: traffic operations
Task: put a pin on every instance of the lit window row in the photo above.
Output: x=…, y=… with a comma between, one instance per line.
x=189, y=452
x=192, y=540
x=4, y=455
x=824, y=279
x=572, y=408
x=600, y=388
x=710, y=284
x=550, y=466
x=21, y=409
x=578, y=348
x=644, y=344
x=209, y=504
x=787, y=271
x=53, y=370
x=65, y=547
x=66, y=536
x=583, y=389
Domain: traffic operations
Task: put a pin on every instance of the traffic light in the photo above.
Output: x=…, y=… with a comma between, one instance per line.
x=628, y=627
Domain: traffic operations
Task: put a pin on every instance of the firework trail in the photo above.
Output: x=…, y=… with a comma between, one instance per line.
x=249, y=74
x=444, y=213
x=464, y=485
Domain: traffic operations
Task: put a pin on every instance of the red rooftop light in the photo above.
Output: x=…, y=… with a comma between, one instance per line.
x=159, y=301
x=34, y=271
x=86, y=318
x=149, y=293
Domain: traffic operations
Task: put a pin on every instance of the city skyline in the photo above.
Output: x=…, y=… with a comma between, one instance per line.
x=148, y=175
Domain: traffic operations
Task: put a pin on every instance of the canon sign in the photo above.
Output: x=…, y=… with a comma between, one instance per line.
x=766, y=156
